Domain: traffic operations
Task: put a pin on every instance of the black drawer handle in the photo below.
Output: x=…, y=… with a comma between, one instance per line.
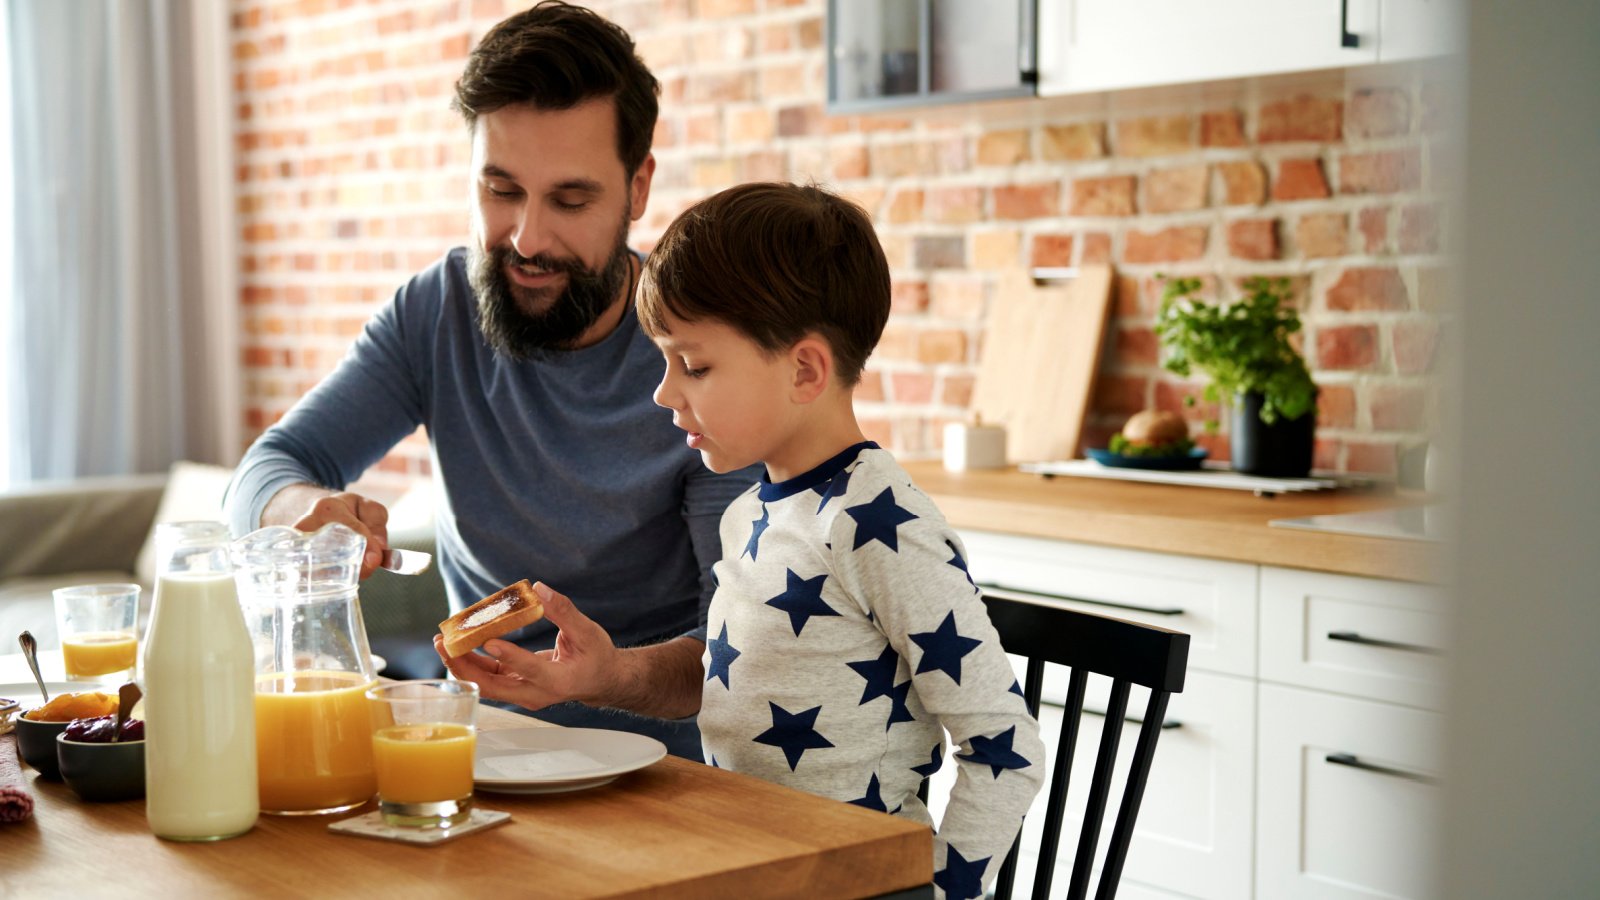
x=1347, y=38
x=1017, y=594
x=1355, y=762
x=1353, y=637
x=1127, y=720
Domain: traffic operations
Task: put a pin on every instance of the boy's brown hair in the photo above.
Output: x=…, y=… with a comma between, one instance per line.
x=556, y=56
x=775, y=262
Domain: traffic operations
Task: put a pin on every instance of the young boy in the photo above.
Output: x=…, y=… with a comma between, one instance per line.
x=844, y=637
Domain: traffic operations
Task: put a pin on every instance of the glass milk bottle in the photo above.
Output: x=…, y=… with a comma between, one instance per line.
x=200, y=728
x=312, y=667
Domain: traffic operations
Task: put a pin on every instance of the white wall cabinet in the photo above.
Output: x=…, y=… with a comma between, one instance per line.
x=1416, y=29
x=1242, y=799
x=1100, y=45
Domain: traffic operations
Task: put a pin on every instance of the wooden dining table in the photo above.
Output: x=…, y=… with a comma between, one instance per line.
x=672, y=829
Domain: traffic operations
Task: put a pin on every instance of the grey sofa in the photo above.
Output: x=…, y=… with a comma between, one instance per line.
x=92, y=530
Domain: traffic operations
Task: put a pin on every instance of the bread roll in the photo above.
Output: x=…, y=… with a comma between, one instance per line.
x=504, y=610
x=1155, y=428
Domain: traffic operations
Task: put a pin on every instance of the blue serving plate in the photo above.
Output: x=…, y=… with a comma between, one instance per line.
x=1188, y=462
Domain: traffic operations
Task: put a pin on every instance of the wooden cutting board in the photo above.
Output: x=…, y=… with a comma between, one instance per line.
x=1041, y=349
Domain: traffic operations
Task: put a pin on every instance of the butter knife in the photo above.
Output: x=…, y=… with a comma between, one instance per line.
x=406, y=562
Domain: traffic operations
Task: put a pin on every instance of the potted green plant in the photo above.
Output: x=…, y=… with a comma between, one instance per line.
x=1245, y=348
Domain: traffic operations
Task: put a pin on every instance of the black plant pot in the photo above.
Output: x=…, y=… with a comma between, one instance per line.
x=1280, y=450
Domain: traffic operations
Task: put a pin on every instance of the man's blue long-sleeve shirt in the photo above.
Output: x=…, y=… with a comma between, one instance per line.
x=560, y=469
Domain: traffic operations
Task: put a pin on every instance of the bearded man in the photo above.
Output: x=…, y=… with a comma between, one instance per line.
x=523, y=358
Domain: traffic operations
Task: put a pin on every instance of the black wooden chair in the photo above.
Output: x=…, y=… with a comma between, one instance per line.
x=1127, y=652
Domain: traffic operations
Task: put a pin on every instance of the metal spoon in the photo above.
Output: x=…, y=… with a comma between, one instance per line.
x=127, y=696
x=30, y=651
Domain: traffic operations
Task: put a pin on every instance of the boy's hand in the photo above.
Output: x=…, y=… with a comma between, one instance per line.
x=581, y=667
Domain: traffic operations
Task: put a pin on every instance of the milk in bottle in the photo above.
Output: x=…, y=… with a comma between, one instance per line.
x=199, y=674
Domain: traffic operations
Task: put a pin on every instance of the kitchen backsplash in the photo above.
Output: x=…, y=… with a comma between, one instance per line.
x=352, y=175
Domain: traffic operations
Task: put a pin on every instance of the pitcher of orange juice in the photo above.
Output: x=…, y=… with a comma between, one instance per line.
x=313, y=667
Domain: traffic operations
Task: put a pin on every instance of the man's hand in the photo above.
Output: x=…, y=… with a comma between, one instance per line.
x=660, y=680
x=308, y=507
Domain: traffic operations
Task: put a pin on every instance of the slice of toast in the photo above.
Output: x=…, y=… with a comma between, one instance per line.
x=504, y=610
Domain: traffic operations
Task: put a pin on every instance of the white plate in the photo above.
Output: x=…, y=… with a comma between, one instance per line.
x=546, y=760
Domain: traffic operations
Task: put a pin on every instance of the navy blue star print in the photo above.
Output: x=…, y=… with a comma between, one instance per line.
x=959, y=563
x=878, y=521
x=960, y=878
x=879, y=674
x=794, y=733
x=942, y=649
x=1016, y=688
x=873, y=798
x=802, y=600
x=756, y=528
x=835, y=487
x=722, y=656
x=932, y=765
x=996, y=752
x=898, y=710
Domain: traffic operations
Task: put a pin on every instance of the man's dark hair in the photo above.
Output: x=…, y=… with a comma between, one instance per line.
x=775, y=262
x=556, y=56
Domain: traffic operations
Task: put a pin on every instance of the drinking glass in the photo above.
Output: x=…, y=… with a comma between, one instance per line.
x=423, y=738
x=99, y=628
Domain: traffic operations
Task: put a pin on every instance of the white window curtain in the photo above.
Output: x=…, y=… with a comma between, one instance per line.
x=121, y=320
x=8, y=349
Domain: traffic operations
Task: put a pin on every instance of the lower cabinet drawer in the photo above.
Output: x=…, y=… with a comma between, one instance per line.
x=1367, y=637
x=1213, y=601
x=1193, y=836
x=1347, y=797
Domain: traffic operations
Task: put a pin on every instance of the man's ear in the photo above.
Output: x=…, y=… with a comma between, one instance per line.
x=812, y=359
x=639, y=186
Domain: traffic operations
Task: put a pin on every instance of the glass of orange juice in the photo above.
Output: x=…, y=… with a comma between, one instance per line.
x=423, y=739
x=99, y=629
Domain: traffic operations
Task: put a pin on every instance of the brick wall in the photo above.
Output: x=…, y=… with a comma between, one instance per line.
x=352, y=175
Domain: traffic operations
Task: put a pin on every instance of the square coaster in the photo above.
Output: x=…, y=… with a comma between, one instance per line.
x=372, y=825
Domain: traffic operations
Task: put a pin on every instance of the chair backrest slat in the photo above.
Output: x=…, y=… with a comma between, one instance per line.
x=1139, y=774
x=1060, y=776
x=1127, y=652
x=1105, y=762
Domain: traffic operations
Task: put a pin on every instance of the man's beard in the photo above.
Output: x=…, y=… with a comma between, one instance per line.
x=503, y=307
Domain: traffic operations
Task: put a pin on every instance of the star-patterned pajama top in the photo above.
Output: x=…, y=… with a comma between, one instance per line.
x=845, y=639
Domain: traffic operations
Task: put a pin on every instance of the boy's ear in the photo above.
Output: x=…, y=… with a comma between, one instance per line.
x=812, y=359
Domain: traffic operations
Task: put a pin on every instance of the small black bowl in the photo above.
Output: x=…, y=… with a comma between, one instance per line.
x=36, y=741
x=102, y=771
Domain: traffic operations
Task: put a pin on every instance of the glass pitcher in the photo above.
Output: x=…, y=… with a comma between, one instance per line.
x=313, y=667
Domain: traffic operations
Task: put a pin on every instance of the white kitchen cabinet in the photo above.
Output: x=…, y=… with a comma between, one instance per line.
x=1348, y=796
x=1213, y=601
x=1193, y=837
x=1416, y=29
x=1100, y=45
x=1366, y=637
x=1242, y=800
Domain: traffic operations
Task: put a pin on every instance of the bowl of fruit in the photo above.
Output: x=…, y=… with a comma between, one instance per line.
x=101, y=763
x=37, y=728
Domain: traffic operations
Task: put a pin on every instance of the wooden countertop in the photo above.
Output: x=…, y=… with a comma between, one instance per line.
x=1193, y=521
